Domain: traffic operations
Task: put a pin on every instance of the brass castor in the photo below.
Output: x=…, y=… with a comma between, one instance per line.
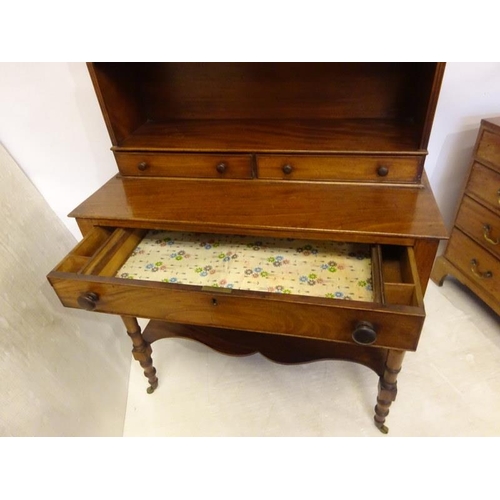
x=152, y=388
x=381, y=427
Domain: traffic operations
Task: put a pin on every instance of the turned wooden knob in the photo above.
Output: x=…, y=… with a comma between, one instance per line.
x=364, y=333
x=382, y=171
x=221, y=168
x=287, y=169
x=142, y=166
x=88, y=300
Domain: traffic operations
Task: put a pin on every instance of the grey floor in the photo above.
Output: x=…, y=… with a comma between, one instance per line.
x=449, y=387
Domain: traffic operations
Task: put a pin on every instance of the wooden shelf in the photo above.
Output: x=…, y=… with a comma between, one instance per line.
x=279, y=136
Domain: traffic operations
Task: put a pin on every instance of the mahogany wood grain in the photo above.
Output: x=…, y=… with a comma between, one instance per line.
x=387, y=388
x=141, y=351
x=117, y=90
x=280, y=90
x=473, y=250
x=397, y=326
x=332, y=122
x=443, y=268
x=488, y=150
x=85, y=226
x=425, y=254
x=484, y=186
x=349, y=212
x=472, y=219
x=219, y=166
x=114, y=252
x=278, y=348
x=427, y=98
x=276, y=136
x=351, y=168
x=461, y=250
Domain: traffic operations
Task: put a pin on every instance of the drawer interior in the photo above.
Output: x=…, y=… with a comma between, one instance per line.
x=272, y=265
x=101, y=252
x=399, y=276
x=381, y=274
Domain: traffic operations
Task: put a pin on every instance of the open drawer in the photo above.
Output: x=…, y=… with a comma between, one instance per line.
x=351, y=293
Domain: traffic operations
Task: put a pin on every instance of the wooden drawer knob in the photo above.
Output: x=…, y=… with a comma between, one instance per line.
x=382, y=171
x=142, y=166
x=364, y=333
x=287, y=169
x=88, y=300
x=221, y=168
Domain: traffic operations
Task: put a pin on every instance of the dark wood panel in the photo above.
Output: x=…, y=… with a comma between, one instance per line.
x=117, y=89
x=254, y=136
x=349, y=212
x=461, y=251
x=472, y=219
x=443, y=267
x=220, y=166
x=425, y=253
x=278, y=90
x=339, y=167
x=489, y=149
x=427, y=86
x=278, y=348
x=397, y=327
x=484, y=186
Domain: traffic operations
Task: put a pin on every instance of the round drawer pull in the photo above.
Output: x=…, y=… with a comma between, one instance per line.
x=214, y=302
x=88, y=300
x=382, y=171
x=221, y=168
x=142, y=166
x=287, y=169
x=487, y=235
x=364, y=333
x=474, y=268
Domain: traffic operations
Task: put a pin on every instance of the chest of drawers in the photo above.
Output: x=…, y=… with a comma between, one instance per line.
x=473, y=252
x=279, y=208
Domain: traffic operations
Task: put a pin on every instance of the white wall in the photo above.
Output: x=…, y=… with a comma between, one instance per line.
x=50, y=122
x=52, y=125
x=63, y=372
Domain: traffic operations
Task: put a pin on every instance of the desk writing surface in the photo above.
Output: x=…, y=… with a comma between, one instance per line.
x=360, y=212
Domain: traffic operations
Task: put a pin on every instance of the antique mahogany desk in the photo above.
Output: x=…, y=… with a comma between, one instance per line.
x=280, y=208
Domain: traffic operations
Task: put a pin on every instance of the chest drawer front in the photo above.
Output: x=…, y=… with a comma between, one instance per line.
x=484, y=184
x=480, y=224
x=489, y=149
x=90, y=278
x=185, y=165
x=340, y=168
x=475, y=262
x=395, y=328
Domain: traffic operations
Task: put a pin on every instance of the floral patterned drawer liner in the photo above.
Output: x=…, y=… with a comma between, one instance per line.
x=312, y=268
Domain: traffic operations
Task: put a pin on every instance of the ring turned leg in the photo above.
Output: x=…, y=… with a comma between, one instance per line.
x=387, y=388
x=141, y=351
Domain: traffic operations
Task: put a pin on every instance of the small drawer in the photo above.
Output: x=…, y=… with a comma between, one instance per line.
x=475, y=262
x=185, y=165
x=484, y=184
x=489, y=149
x=390, y=316
x=340, y=168
x=480, y=224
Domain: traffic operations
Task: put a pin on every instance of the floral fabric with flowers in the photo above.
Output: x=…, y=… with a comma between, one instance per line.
x=313, y=268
